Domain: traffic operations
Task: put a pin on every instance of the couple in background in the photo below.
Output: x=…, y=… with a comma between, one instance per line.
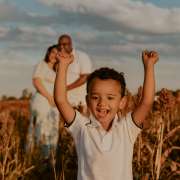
x=44, y=122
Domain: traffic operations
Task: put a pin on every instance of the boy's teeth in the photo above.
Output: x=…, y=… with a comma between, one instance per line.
x=103, y=112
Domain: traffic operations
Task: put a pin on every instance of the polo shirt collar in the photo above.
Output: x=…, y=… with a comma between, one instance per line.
x=96, y=124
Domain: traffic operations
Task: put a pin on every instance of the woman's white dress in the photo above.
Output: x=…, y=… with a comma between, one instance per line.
x=44, y=123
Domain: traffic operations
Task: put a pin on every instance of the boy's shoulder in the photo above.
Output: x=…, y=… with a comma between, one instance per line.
x=79, y=120
x=126, y=117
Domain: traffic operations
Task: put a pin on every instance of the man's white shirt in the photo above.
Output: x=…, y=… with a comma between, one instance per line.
x=81, y=65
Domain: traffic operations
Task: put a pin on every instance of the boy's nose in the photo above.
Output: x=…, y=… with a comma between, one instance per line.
x=102, y=102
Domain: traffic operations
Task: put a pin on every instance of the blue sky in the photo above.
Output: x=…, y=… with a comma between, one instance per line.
x=113, y=33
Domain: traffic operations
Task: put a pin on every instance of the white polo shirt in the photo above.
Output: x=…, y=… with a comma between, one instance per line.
x=104, y=155
x=80, y=65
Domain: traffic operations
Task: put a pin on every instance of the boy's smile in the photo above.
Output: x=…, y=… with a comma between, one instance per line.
x=104, y=100
x=102, y=112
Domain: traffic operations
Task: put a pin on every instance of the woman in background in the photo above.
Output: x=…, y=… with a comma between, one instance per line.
x=44, y=120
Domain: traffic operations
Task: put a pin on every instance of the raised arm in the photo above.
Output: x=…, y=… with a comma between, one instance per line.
x=141, y=111
x=60, y=89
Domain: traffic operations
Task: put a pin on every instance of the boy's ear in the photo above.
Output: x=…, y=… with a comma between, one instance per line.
x=123, y=102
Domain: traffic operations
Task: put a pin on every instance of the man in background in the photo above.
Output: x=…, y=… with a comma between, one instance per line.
x=77, y=72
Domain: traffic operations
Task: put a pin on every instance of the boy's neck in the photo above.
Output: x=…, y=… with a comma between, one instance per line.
x=107, y=126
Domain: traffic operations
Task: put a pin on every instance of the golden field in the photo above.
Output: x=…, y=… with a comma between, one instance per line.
x=156, y=152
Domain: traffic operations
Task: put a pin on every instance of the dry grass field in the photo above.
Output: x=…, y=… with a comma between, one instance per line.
x=156, y=152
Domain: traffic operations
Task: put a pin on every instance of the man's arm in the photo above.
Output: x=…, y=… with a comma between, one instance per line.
x=80, y=81
x=60, y=89
x=85, y=70
x=141, y=111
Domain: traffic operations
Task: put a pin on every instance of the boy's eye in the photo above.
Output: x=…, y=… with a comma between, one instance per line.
x=110, y=98
x=94, y=97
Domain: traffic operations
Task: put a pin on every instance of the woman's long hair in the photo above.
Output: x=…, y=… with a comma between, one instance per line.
x=46, y=58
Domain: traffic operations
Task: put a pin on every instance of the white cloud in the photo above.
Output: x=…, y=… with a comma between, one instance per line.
x=9, y=12
x=86, y=36
x=137, y=47
x=25, y=36
x=15, y=57
x=15, y=77
x=42, y=30
x=26, y=32
x=3, y=31
x=137, y=16
x=167, y=72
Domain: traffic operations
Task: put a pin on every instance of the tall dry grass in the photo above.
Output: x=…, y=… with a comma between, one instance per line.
x=12, y=161
x=159, y=145
x=156, y=151
x=15, y=161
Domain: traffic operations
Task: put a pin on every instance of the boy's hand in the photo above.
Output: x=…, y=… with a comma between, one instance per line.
x=149, y=57
x=64, y=57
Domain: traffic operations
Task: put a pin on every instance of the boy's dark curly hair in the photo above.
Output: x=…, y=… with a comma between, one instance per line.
x=107, y=73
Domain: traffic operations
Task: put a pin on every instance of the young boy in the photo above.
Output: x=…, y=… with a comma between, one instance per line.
x=104, y=143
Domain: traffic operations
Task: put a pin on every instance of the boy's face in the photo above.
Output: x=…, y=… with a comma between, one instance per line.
x=104, y=99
